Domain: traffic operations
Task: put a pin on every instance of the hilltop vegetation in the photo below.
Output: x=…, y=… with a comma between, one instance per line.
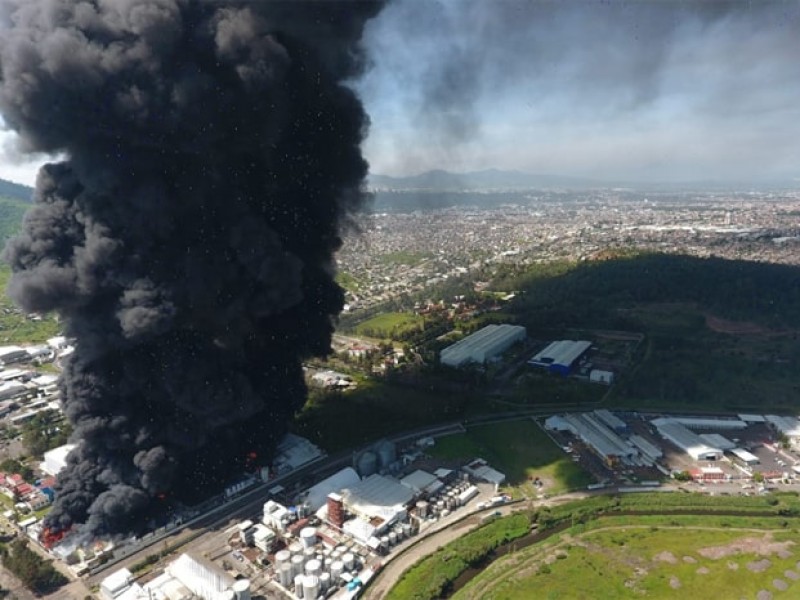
x=11, y=211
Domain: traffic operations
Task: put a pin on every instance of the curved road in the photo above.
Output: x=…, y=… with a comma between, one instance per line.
x=379, y=587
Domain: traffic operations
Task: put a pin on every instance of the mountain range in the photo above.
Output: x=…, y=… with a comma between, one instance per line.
x=497, y=179
x=16, y=191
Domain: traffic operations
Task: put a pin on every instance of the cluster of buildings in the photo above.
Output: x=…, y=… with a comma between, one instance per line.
x=402, y=252
x=186, y=578
x=703, y=441
x=26, y=496
x=485, y=345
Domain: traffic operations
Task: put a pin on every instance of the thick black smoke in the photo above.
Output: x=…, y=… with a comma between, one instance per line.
x=212, y=154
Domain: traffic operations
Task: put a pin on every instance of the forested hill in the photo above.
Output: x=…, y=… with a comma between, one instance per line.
x=15, y=191
x=564, y=293
x=15, y=199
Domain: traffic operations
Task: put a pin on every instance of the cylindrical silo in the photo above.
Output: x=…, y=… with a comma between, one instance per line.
x=325, y=581
x=392, y=538
x=295, y=547
x=285, y=575
x=308, y=537
x=313, y=567
x=297, y=565
x=310, y=587
x=282, y=557
x=298, y=585
x=349, y=561
x=337, y=567
x=242, y=589
x=407, y=530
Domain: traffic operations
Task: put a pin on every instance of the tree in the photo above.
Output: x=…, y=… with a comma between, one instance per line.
x=12, y=465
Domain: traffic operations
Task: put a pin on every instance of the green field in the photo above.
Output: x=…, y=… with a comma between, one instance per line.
x=527, y=568
x=387, y=325
x=15, y=326
x=521, y=450
x=648, y=561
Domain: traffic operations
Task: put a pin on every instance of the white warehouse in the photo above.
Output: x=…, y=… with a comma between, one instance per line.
x=483, y=345
x=686, y=440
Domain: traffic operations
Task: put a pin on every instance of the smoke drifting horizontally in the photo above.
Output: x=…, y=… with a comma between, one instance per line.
x=187, y=240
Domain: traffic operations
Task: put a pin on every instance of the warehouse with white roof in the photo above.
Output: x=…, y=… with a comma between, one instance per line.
x=685, y=439
x=560, y=356
x=483, y=345
x=788, y=426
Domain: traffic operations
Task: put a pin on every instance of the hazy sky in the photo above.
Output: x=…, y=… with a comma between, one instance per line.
x=658, y=90
x=642, y=90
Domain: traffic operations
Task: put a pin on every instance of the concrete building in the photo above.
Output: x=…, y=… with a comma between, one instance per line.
x=56, y=459
x=611, y=420
x=685, y=439
x=483, y=345
x=560, y=357
x=116, y=584
x=600, y=376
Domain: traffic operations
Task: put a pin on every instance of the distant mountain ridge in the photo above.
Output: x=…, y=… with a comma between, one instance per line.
x=439, y=179
x=15, y=191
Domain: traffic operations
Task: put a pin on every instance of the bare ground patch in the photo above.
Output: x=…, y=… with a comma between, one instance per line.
x=764, y=595
x=689, y=560
x=674, y=582
x=762, y=546
x=703, y=571
x=780, y=584
x=733, y=566
x=789, y=574
x=666, y=556
x=758, y=566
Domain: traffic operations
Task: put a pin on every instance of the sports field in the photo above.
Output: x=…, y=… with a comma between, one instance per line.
x=644, y=561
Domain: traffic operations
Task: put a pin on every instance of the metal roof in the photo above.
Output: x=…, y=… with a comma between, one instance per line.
x=561, y=352
x=789, y=426
x=597, y=435
x=482, y=344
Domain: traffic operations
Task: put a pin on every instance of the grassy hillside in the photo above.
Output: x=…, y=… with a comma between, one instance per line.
x=11, y=211
x=720, y=334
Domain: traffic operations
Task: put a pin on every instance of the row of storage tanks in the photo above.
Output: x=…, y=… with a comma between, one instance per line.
x=449, y=499
x=311, y=570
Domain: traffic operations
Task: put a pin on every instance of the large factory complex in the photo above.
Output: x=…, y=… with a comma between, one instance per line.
x=330, y=539
x=728, y=448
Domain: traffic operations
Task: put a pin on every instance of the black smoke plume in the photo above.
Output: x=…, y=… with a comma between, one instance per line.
x=187, y=239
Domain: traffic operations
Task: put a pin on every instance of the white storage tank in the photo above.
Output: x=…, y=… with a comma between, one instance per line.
x=313, y=567
x=385, y=543
x=297, y=564
x=308, y=537
x=285, y=575
x=298, y=585
x=337, y=567
x=295, y=547
x=325, y=581
x=422, y=509
x=310, y=587
x=392, y=539
x=241, y=588
x=282, y=557
x=407, y=531
x=349, y=561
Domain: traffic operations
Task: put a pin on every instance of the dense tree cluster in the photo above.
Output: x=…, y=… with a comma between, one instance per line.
x=36, y=573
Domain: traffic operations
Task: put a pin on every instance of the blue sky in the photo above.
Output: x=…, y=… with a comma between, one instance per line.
x=659, y=91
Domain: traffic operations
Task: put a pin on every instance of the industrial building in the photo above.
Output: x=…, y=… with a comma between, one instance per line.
x=56, y=459
x=560, y=357
x=600, y=438
x=746, y=457
x=483, y=345
x=788, y=426
x=685, y=439
x=716, y=440
x=712, y=423
x=185, y=578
